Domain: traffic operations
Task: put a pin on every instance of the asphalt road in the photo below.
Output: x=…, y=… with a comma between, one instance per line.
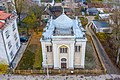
x=111, y=69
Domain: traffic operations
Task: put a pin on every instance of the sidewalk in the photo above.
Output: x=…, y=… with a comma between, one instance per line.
x=56, y=77
x=19, y=54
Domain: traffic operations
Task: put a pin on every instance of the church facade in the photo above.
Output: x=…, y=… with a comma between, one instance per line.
x=63, y=43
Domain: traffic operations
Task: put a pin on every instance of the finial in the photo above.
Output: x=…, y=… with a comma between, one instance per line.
x=63, y=10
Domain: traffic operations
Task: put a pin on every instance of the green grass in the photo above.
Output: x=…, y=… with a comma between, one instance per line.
x=28, y=59
x=38, y=60
x=89, y=57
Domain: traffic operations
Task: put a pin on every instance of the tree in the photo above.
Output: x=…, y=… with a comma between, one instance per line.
x=30, y=21
x=115, y=20
x=21, y=7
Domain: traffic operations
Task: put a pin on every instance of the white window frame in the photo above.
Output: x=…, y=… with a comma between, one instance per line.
x=7, y=34
x=9, y=44
x=77, y=48
x=63, y=50
x=49, y=48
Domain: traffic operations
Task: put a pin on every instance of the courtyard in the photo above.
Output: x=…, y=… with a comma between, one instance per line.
x=32, y=58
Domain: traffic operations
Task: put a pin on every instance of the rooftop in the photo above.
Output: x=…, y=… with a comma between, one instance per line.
x=100, y=24
x=1, y=24
x=63, y=32
x=4, y=16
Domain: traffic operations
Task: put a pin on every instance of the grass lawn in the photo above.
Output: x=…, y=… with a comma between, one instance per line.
x=91, y=59
x=32, y=58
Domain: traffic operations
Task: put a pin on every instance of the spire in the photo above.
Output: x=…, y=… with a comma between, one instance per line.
x=63, y=10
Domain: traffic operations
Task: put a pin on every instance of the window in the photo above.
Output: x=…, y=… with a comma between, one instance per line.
x=63, y=50
x=49, y=48
x=77, y=48
x=11, y=54
x=17, y=45
x=14, y=27
x=7, y=34
x=15, y=36
x=9, y=44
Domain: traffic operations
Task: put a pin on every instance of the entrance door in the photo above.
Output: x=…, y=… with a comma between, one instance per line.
x=63, y=63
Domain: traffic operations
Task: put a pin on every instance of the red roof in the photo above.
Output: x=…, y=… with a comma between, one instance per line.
x=1, y=24
x=4, y=16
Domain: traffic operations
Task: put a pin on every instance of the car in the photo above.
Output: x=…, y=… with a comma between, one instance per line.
x=23, y=39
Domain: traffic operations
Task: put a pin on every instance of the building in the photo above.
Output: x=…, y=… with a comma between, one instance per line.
x=104, y=16
x=92, y=11
x=101, y=26
x=63, y=43
x=7, y=6
x=48, y=2
x=37, y=2
x=9, y=37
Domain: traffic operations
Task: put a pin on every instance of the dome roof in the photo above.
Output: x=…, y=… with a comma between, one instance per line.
x=63, y=21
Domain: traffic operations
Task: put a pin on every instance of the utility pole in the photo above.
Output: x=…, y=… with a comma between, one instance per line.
x=47, y=67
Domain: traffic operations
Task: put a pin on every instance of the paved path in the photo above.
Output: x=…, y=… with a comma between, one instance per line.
x=69, y=77
x=111, y=69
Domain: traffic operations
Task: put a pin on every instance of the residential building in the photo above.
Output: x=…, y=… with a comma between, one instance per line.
x=101, y=26
x=9, y=37
x=7, y=6
x=63, y=43
x=92, y=11
x=37, y=2
x=48, y=2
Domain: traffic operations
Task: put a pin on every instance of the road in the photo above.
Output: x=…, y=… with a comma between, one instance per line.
x=111, y=69
x=57, y=77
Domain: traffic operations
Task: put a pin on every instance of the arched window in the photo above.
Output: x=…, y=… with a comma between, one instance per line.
x=63, y=60
x=63, y=49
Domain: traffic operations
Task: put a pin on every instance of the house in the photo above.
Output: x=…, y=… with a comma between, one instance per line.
x=7, y=6
x=92, y=11
x=37, y=2
x=9, y=37
x=101, y=26
x=104, y=16
x=63, y=43
x=77, y=1
x=48, y=2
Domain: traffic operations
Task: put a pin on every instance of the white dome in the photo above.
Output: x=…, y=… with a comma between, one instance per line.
x=63, y=21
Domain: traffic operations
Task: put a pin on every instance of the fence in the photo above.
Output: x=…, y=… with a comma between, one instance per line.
x=27, y=72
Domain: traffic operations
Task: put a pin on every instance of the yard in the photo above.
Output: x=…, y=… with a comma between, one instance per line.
x=91, y=59
x=32, y=58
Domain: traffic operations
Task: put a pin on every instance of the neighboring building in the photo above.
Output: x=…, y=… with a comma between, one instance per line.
x=63, y=43
x=7, y=6
x=104, y=16
x=101, y=26
x=77, y=1
x=48, y=2
x=9, y=37
x=37, y=2
x=92, y=11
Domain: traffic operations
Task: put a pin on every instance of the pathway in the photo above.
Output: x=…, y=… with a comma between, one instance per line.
x=56, y=77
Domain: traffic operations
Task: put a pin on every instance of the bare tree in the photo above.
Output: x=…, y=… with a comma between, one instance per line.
x=21, y=7
x=115, y=20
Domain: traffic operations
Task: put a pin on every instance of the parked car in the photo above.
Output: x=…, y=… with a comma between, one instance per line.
x=23, y=38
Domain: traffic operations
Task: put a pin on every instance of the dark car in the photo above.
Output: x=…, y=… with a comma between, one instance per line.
x=23, y=39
